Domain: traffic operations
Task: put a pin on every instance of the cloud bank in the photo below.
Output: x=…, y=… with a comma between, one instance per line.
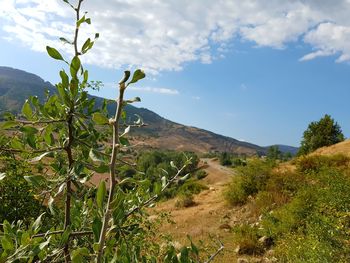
x=165, y=35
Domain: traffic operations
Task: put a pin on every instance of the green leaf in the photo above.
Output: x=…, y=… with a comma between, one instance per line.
x=164, y=181
x=136, y=99
x=35, y=180
x=50, y=204
x=37, y=223
x=44, y=244
x=101, y=193
x=82, y=20
x=75, y=66
x=28, y=130
x=27, y=110
x=2, y=176
x=64, y=79
x=157, y=187
x=64, y=40
x=138, y=74
x=78, y=254
x=25, y=238
x=9, y=124
x=38, y=158
x=124, y=141
x=96, y=228
x=7, y=243
x=65, y=235
x=16, y=144
x=103, y=168
x=86, y=45
x=95, y=156
x=99, y=118
x=54, y=53
x=86, y=76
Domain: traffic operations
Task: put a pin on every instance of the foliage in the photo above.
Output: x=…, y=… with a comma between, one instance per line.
x=185, y=200
x=306, y=212
x=66, y=140
x=201, y=174
x=249, y=180
x=248, y=239
x=17, y=198
x=321, y=133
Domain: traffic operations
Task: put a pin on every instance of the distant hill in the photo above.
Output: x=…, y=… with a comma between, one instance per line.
x=285, y=148
x=16, y=85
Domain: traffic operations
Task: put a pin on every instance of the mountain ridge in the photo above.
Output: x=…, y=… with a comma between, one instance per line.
x=16, y=85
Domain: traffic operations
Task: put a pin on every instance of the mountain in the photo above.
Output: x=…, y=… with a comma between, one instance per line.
x=16, y=85
x=285, y=148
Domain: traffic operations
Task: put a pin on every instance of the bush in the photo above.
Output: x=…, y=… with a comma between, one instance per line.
x=191, y=187
x=201, y=174
x=317, y=162
x=249, y=180
x=185, y=200
x=17, y=197
x=247, y=238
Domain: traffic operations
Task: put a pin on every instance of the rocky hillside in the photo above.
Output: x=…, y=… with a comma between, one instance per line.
x=16, y=85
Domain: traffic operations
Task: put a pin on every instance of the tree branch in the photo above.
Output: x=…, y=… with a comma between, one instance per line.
x=58, y=232
x=153, y=198
x=112, y=174
x=211, y=258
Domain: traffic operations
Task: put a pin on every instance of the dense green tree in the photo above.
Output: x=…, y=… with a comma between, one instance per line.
x=274, y=153
x=321, y=133
x=17, y=197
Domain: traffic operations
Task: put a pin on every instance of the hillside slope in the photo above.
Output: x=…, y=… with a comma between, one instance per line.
x=16, y=85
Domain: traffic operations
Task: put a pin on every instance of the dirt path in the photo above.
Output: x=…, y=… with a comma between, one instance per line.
x=210, y=215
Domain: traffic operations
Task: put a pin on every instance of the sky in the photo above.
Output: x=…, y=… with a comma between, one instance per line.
x=256, y=70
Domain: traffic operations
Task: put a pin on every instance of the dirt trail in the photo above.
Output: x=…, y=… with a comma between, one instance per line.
x=210, y=215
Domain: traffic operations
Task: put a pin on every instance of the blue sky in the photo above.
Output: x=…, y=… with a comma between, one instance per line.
x=255, y=72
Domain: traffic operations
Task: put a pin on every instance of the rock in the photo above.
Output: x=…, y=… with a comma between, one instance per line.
x=242, y=260
x=266, y=241
x=225, y=226
x=237, y=249
x=270, y=253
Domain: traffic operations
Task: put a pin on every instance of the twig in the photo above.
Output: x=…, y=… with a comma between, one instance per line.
x=39, y=121
x=58, y=232
x=153, y=198
x=112, y=174
x=31, y=152
x=211, y=258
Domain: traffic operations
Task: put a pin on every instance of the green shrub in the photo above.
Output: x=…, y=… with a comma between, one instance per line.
x=247, y=238
x=316, y=162
x=185, y=200
x=234, y=193
x=249, y=180
x=191, y=186
x=201, y=174
x=17, y=197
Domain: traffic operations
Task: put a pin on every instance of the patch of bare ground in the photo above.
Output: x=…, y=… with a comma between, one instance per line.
x=210, y=216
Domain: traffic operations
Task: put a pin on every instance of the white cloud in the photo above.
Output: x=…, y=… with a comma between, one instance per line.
x=164, y=35
x=165, y=91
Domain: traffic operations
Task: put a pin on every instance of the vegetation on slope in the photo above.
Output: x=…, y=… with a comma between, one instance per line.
x=303, y=215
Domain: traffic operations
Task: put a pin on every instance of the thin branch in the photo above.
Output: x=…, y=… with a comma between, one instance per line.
x=112, y=174
x=68, y=148
x=55, y=149
x=153, y=198
x=25, y=122
x=58, y=232
x=211, y=258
